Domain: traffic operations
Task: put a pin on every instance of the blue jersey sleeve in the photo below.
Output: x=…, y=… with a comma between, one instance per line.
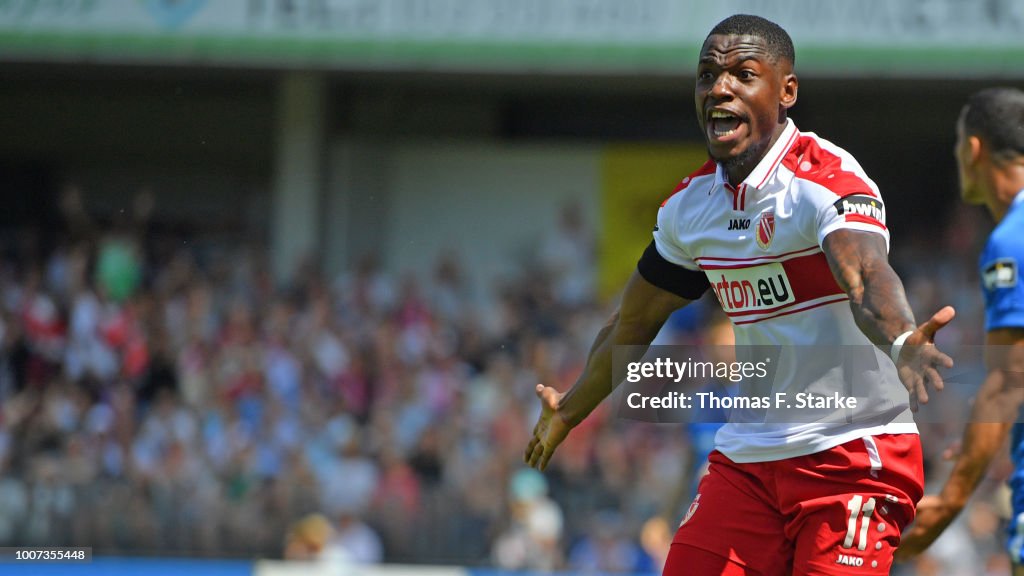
x=1000, y=277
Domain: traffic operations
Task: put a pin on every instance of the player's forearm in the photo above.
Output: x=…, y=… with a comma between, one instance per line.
x=860, y=266
x=642, y=312
x=980, y=443
x=992, y=417
x=879, y=304
x=602, y=335
x=595, y=383
x=589, y=389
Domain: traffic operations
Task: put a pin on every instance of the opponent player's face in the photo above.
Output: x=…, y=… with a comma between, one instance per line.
x=969, y=190
x=741, y=94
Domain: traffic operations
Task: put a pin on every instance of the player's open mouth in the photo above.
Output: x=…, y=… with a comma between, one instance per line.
x=722, y=124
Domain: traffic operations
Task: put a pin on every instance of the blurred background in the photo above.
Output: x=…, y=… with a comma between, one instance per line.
x=277, y=277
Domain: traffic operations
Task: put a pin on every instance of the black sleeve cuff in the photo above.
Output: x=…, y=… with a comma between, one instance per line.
x=689, y=284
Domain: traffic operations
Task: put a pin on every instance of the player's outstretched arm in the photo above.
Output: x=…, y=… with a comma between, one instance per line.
x=995, y=410
x=642, y=312
x=860, y=265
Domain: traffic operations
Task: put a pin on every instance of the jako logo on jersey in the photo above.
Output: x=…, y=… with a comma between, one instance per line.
x=751, y=289
x=765, y=229
x=848, y=560
x=1000, y=274
x=739, y=223
x=861, y=205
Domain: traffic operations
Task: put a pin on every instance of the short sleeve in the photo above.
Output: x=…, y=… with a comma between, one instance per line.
x=666, y=233
x=852, y=210
x=689, y=284
x=833, y=192
x=1001, y=282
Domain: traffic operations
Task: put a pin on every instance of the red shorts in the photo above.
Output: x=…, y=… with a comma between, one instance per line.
x=840, y=511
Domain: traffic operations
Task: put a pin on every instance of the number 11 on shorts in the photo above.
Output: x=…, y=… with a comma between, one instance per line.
x=858, y=510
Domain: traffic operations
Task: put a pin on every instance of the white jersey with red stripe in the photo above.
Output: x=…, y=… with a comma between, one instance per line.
x=759, y=244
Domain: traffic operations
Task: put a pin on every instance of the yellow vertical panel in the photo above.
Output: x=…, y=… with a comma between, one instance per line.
x=635, y=179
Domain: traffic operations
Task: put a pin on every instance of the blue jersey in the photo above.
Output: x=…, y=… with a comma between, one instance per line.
x=1004, y=308
x=1000, y=270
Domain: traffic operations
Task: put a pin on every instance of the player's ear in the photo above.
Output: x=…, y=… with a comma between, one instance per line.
x=975, y=146
x=788, y=91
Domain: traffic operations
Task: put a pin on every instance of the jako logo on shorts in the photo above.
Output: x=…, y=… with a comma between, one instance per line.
x=848, y=560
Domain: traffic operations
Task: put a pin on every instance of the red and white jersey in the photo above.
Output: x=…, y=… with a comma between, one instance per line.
x=759, y=244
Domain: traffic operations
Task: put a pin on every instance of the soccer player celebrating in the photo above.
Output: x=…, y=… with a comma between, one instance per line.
x=789, y=232
x=990, y=157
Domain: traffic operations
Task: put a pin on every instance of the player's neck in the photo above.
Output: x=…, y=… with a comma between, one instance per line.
x=1007, y=182
x=736, y=174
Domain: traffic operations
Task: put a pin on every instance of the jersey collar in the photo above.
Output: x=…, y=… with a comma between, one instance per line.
x=769, y=164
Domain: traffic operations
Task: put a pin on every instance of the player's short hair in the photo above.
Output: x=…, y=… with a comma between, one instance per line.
x=778, y=42
x=996, y=115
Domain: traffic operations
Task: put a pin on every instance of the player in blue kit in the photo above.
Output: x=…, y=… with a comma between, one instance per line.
x=990, y=158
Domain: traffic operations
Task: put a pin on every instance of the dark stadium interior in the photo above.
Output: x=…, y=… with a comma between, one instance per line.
x=220, y=122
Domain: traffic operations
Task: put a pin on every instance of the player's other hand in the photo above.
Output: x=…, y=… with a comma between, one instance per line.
x=933, y=515
x=919, y=359
x=550, y=430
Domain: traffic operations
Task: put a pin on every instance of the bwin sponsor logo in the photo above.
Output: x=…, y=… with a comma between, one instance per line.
x=869, y=210
x=865, y=206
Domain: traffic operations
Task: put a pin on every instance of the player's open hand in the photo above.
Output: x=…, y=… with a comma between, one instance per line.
x=933, y=515
x=550, y=430
x=919, y=359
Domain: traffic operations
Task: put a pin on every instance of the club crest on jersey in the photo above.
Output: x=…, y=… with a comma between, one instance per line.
x=1001, y=273
x=765, y=229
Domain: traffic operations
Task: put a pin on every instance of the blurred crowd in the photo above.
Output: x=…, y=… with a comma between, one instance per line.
x=159, y=398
